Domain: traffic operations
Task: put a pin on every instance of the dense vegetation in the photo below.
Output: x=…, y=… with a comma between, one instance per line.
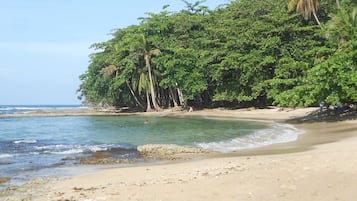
x=245, y=53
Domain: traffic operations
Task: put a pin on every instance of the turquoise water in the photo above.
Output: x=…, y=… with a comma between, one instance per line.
x=169, y=130
x=29, y=144
x=67, y=135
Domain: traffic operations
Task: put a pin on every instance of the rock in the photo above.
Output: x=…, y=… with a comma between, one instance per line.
x=102, y=161
x=115, y=152
x=111, y=156
x=168, y=152
x=4, y=180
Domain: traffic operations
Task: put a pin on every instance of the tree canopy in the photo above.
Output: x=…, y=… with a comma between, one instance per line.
x=246, y=52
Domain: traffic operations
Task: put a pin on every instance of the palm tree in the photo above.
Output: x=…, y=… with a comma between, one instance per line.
x=141, y=83
x=343, y=26
x=306, y=8
x=148, y=53
x=112, y=70
x=338, y=4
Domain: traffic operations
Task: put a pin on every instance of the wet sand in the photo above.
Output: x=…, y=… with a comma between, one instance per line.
x=320, y=165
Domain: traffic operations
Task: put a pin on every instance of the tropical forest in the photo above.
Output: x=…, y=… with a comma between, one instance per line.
x=286, y=53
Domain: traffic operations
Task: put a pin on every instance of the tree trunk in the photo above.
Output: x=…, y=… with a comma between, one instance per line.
x=134, y=96
x=315, y=16
x=181, y=99
x=338, y=4
x=148, y=106
x=173, y=97
x=153, y=95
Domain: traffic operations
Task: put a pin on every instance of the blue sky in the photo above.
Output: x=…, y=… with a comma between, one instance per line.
x=44, y=44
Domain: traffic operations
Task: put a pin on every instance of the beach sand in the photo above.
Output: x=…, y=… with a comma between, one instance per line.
x=320, y=165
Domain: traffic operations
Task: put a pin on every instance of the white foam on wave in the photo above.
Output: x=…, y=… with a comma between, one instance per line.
x=21, y=108
x=53, y=146
x=276, y=133
x=73, y=149
x=70, y=151
x=18, y=155
x=7, y=155
x=25, y=141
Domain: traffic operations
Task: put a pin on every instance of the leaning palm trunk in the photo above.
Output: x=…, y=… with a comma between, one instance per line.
x=180, y=95
x=173, y=97
x=315, y=16
x=152, y=89
x=134, y=96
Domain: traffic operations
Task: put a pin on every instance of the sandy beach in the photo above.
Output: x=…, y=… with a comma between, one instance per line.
x=320, y=165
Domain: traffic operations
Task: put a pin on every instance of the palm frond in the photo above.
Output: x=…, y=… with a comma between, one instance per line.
x=291, y=5
x=155, y=52
x=109, y=70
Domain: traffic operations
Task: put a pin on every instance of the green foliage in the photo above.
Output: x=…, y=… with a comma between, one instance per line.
x=243, y=52
x=333, y=75
x=335, y=79
x=342, y=26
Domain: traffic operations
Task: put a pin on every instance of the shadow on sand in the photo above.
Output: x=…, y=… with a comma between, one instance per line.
x=328, y=115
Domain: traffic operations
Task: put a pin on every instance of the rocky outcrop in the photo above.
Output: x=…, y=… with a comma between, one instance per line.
x=169, y=151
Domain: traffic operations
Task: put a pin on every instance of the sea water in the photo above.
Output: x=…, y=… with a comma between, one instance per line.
x=30, y=144
x=23, y=109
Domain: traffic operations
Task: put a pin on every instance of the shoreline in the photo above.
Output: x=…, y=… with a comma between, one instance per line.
x=227, y=172
x=243, y=114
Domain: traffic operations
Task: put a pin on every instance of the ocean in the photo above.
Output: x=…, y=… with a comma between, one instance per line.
x=23, y=109
x=29, y=145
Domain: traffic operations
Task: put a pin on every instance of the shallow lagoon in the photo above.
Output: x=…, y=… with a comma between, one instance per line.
x=29, y=144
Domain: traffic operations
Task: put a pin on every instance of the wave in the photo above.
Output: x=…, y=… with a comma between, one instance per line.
x=23, y=109
x=18, y=155
x=7, y=155
x=67, y=149
x=25, y=141
x=19, y=110
x=65, y=152
x=276, y=133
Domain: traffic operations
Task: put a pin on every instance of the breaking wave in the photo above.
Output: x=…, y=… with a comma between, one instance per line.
x=274, y=134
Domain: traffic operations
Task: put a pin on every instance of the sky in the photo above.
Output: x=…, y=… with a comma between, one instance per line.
x=44, y=44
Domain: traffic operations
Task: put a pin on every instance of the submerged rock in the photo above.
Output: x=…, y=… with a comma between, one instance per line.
x=116, y=153
x=111, y=156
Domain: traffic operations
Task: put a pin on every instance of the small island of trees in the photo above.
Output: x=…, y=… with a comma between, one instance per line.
x=294, y=53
